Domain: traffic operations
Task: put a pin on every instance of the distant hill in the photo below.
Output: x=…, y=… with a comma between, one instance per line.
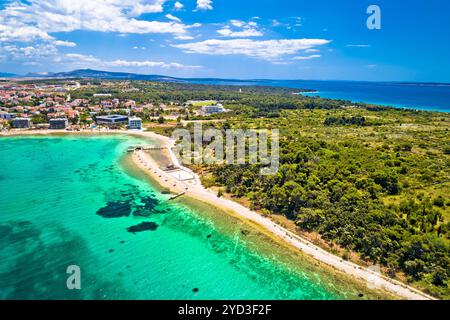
x=7, y=75
x=96, y=74
x=99, y=74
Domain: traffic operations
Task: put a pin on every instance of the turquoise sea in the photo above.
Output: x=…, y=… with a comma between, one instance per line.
x=70, y=201
x=420, y=96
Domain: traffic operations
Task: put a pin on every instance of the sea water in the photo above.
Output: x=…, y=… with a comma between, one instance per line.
x=420, y=96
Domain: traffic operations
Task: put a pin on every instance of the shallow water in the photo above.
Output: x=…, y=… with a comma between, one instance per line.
x=70, y=201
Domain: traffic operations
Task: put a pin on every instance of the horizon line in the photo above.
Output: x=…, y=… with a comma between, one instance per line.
x=47, y=75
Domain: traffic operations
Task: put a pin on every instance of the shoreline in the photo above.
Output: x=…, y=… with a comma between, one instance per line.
x=194, y=189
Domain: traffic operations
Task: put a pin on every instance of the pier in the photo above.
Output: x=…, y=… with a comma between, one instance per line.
x=176, y=196
x=144, y=148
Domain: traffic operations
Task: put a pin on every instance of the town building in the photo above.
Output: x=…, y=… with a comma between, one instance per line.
x=218, y=108
x=42, y=126
x=59, y=123
x=135, y=123
x=102, y=95
x=21, y=123
x=112, y=120
x=6, y=115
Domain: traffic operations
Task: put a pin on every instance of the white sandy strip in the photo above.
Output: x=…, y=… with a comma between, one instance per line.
x=195, y=189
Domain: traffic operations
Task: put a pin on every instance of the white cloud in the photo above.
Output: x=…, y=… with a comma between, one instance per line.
x=21, y=33
x=91, y=61
x=78, y=58
x=227, y=32
x=149, y=64
x=204, y=5
x=61, y=43
x=265, y=49
x=34, y=23
x=184, y=37
x=314, y=56
x=140, y=7
x=28, y=54
x=281, y=62
x=27, y=21
x=178, y=5
x=46, y=54
x=276, y=23
x=237, y=23
x=172, y=17
x=245, y=29
x=289, y=23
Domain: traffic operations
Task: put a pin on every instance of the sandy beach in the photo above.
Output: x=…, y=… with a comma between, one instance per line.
x=184, y=181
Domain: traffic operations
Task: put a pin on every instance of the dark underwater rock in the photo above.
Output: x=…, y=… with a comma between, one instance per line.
x=145, y=210
x=24, y=223
x=5, y=230
x=115, y=209
x=144, y=226
x=149, y=202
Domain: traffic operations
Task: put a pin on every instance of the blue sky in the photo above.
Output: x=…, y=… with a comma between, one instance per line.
x=284, y=39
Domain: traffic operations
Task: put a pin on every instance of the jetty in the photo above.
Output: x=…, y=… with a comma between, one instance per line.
x=177, y=195
x=144, y=148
